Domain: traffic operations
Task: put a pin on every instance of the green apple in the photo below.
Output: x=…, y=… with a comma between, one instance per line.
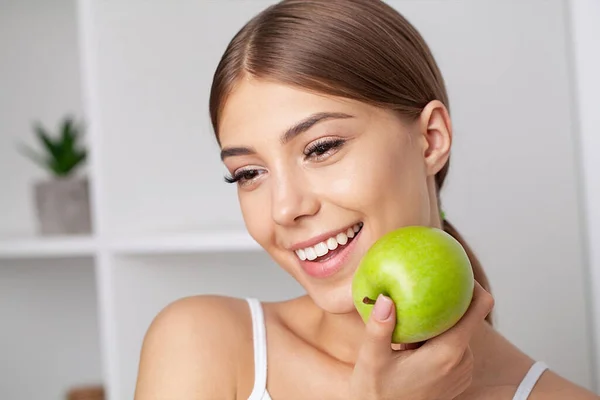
x=426, y=273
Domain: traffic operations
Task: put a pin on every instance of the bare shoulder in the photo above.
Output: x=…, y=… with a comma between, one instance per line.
x=501, y=367
x=192, y=349
x=552, y=386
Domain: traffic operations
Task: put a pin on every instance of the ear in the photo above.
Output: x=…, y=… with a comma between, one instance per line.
x=436, y=134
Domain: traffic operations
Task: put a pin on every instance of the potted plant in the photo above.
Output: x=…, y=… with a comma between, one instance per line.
x=62, y=200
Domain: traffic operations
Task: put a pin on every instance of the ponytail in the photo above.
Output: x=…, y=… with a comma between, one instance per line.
x=478, y=272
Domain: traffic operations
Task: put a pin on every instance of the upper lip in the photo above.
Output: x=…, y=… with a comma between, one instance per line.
x=320, y=238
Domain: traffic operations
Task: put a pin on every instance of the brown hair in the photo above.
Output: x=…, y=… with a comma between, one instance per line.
x=358, y=49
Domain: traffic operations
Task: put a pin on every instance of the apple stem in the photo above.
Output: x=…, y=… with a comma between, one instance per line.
x=368, y=300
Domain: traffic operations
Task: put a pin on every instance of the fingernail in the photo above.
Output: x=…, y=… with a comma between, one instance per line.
x=383, y=308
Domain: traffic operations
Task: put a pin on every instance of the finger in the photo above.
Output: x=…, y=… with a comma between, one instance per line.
x=467, y=361
x=465, y=371
x=406, y=346
x=460, y=334
x=376, y=347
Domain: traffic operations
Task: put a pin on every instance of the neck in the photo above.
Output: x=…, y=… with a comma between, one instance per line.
x=340, y=335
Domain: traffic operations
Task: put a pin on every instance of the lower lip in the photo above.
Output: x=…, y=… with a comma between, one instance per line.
x=329, y=267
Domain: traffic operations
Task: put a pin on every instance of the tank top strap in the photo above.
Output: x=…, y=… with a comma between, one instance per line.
x=533, y=375
x=259, y=336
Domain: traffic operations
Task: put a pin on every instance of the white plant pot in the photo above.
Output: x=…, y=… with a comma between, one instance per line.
x=63, y=206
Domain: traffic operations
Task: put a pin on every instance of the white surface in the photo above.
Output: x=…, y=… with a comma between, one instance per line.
x=585, y=15
x=48, y=330
x=87, y=42
x=51, y=247
x=185, y=243
x=154, y=67
x=34, y=247
x=39, y=80
x=66, y=246
x=157, y=184
x=49, y=339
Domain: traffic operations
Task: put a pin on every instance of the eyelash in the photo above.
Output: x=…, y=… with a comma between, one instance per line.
x=241, y=176
x=321, y=147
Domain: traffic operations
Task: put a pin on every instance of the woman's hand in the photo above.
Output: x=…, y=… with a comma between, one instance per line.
x=440, y=369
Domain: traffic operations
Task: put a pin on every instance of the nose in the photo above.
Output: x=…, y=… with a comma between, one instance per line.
x=292, y=199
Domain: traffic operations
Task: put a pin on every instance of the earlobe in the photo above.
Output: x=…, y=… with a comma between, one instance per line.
x=436, y=129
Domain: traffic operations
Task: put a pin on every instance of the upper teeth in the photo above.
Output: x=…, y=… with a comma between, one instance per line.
x=322, y=248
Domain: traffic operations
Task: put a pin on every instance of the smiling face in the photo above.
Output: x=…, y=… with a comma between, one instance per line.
x=322, y=178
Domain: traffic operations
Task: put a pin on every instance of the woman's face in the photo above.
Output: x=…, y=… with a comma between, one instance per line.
x=321, y=178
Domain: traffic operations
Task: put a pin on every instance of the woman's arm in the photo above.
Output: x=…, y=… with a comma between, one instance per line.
x=186, y=352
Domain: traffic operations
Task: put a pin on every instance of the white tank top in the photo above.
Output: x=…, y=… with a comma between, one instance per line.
x=259, y=391
x=259, y=334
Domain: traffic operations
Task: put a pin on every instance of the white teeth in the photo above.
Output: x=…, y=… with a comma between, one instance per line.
x=332, y=244
x=310, y=253
x=301, y=255
x=341, y=238
x=320, y=249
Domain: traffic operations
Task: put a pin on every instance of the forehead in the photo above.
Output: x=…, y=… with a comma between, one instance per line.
x=269, y=108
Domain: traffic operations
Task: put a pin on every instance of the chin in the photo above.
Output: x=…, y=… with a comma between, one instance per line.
x=334, y=300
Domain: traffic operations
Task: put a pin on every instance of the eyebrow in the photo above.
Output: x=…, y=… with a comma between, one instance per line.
x=289, y=134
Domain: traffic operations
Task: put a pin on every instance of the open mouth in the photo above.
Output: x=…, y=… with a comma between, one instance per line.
x=330, y=247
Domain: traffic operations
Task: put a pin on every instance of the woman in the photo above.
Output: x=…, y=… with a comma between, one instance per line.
x=332, y=118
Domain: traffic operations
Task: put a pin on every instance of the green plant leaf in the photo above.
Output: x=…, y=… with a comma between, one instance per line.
x=67, y=127
x=50, y=146
x=63, y=153
x=78, y=159
x=72, y=160
x=68, y=133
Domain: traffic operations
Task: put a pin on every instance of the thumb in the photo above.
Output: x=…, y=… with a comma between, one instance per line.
x=377, y=345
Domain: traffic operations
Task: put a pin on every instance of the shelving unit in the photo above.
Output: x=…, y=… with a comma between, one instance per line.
x=167, y=226
x=50, y=336
x=52, y=247
x=33, y=247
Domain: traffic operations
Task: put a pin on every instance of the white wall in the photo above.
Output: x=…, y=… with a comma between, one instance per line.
x=585, y=41
x=49, y=339
x=49, y=334
x=155, y=62
x=512, y=190
x=39, y=80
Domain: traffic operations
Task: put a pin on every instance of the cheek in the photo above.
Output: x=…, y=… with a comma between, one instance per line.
x=256, y=214
x=390, y=188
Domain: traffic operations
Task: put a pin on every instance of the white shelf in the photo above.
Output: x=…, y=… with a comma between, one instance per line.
x=185, y=243
x=162, y=244
x=38, y=247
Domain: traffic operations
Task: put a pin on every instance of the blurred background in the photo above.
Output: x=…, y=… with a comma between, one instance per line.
x=132, y=213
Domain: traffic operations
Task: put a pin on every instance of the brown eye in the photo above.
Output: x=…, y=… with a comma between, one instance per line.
x=323, y=148
x=243, y=176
